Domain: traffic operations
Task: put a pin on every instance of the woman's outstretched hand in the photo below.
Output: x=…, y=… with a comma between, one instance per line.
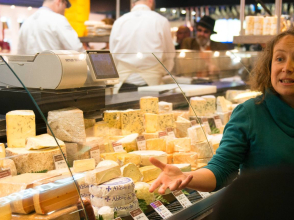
x=171, y=177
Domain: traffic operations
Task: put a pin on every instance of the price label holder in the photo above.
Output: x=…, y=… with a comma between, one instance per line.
x=193, y=123
x=206, y=125
x=5, y=173
x=59, y=162
x=141, y=142
x=182, y=198
x=162, y=134
x=204, y=194
x=95, y=153
x=138, y=214
x=117, y=147
x=218, y=122
x=171, y=133
x=161, y=209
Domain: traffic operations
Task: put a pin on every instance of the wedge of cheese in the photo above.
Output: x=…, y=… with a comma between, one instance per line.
x=42, y=141
x=221, y=104
x=150, y=135
x=158, y=144
x=180, y=144
x=83, y=165
x=184, y=114
x=165, y=121
x=67, y=124
x=204, y=149
x=107, y=163
x=198, y=105
x=145, y=155
x=100, y=129
x=5, y=210
x=190, y=158
x=132, y=171
x=102, y=174
x=89, y=123
x=165, y=107
x=124, y=159
x=151, y=124
x=20, y=125
x=132, y=121
x=196, y=134
x=129, y=142
x=111, y=156
x=113, y=120
x=184, y=167
x=150, y=173
x=182, y=128
x=210, y=106
x=149, y=104
x=6, y=163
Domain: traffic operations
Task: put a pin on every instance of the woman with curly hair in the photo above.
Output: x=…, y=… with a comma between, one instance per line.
x=260, y=133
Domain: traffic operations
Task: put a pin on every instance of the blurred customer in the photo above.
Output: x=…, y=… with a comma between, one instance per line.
x=204, y=29
x=48, y=29
x=135, y=36
x=182, y=33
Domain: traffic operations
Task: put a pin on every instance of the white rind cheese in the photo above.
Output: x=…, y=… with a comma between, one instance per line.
x=149, y=104
x=107, y=163
x=146, y=154
x=184, y=167
x=182, y=128
x=142, y=192
x=83, y=165
x=102, y=175
x=20, y=125
x=203, y=149
x=132, y=121
x=196, y=134
x=132, y=171
x=42, y=141
x=113, y=201
x=129, y=142
x=165, y=107
x=118, y=186
x=105, y=212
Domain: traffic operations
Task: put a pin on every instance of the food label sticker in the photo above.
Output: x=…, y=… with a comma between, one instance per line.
x=5, y=173
x=161, y=209
x=204, y=194
x=137, y=214
x=162, y=134
x=95, y=153
x=181, y=197
x=117, y=147
x=141, y=142
x=193, y=122
x=171, y=133
x=59, y=162
x=218, y=122
x=206, y=125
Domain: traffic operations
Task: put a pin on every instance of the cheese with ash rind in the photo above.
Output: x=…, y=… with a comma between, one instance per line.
x=132, y=171
x=150, y=173
x=102, y=175
x=151, y=124
x=113, y=120
x=196, y=134
x=83, y=165
x=165, y=107
x=149, y=104
x=107, y=163
x=184, y=167
x=113, y=201
x=146, y=154
x=129, y=142
x=118, y=186
x=210, y=105
x=42, y=141
x=132, y=121
x=181, y=144
x=190, y=158
x=142, y=192
x=8, y=164
x=67, y=124
x=20, y=124
x=28, y=161
x=221, y=104
x=5, y=210
x=198, y=104
x=150, y=135
x=158, y=144
x=165, y=121
x=203, y=149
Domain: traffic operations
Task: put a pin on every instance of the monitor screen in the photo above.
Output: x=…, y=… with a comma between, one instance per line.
x=103, y=65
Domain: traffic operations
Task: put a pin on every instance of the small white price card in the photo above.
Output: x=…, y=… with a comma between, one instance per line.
x=162, y=134
x=218, y=121
x=117, y=147
x=141, y=142
x=204, y=194
x=5, y=173
x=171, y=133
x=95, y=153
x=180, y=196
x=161, y=209
x=137, y=214
x=206, y=125
x=59, y=162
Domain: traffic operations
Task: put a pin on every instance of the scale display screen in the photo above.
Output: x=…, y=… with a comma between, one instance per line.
x=103, y=65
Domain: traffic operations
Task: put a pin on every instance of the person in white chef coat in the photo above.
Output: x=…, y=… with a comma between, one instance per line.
x=48, y=29
x=133, y=39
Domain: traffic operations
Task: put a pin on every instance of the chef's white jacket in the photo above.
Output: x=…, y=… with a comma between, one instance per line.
x=47, y=30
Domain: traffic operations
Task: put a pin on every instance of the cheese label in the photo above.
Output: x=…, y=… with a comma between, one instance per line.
x=141, y=142
x=117, y=147
x=5, y=173
x=171, y=133
x=59, y=162
x=204, y=194
x=95, y=153
x=193, y=123
x=206, y=125
x=137, y=214
x=218, y=122
x=161, y=209
x=183, y=200
x=162, y=134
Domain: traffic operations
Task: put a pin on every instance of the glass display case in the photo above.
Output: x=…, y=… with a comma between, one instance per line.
x=78, y=129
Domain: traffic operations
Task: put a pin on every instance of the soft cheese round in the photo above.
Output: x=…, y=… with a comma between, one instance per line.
x=118, y=186
x=113, y=201
x=121, y=211
x=146, y=154
x=105, y=212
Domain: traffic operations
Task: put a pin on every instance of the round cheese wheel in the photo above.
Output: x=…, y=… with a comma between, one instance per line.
x=113, y=201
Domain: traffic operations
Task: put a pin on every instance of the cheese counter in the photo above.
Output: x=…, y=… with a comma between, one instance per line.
x=83, y=153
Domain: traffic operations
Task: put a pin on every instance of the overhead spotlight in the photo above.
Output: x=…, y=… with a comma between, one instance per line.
x=174, y=11
x=29, y=8
x=3, y=19
x=162, y=9
x=12, y=6
x=193, y=12
x=183, y=12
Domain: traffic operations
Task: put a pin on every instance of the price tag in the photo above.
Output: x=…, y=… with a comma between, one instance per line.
x=180, y=196
x=193, y=123
x=59, y=162
x=162, y=134
x=117, y=147
x=218, y=122
x=171, y=133
x=5, y=173
x=141, y=142
x=204, y=194
x=137, y=214
x=206, y=125
x=161, y=209
x=95, y=153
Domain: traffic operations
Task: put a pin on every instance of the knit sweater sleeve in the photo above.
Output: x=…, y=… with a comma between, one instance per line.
x=233, y=148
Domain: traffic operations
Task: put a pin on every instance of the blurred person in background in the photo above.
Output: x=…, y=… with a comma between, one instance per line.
x=204, y=29
x=133, y=39
x=48, y=29
x=182, y=33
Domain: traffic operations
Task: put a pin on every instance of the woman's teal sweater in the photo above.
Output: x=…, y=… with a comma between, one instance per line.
x=257, y=136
